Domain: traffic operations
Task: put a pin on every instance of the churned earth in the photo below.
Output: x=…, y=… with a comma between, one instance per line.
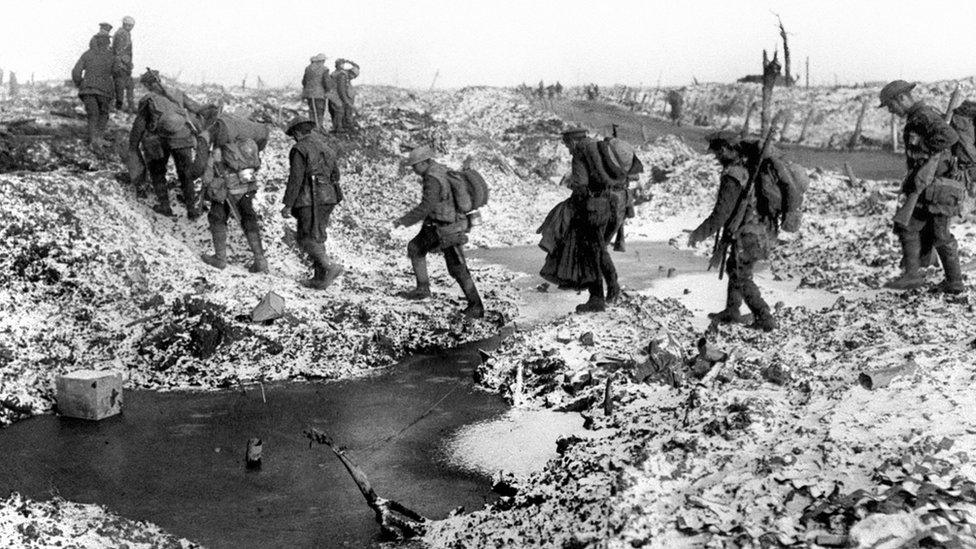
x=693, y=435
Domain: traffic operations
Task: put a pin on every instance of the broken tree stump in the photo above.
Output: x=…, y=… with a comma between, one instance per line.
x=745, y=124
x=396, y=521
x=852, y=180
x=787, y=120
x=806, y=125
x=771, y=69
x=856, y=136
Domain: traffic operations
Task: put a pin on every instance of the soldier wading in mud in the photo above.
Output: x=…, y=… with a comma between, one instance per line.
x=444, y=228
x=167, y=125
x=934, y=174
x=230, y=183
x=749, y=241
x=312, y=193
x=580, y=227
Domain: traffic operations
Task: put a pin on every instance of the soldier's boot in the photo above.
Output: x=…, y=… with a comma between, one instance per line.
x=422, y=291
x=953, y=282
x=219, y=258
x=730, y=314
x=619, y=245
x=597, y=303
x=613, y=292
x=763, y=320
x=475, y=308
x=260, y=264
x=911, y=276
x=162, y=205
x=325, y=270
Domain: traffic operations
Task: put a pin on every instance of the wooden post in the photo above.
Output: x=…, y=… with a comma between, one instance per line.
x=806, y=124
x=852, y=180
x=787, y=120
x=745, y=125
x=856, y=136
x=808, y=72
x=434, y=81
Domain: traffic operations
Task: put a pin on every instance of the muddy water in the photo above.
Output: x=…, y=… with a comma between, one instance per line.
x=176, y=459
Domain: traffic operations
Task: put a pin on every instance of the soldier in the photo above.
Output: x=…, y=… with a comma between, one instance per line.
x=444, y=228
x=342, y=115
x=122, y=46
x=165, y=127
x=581, y=259
x=230, y=184
x=94, y=76
x=105, y=29
x=310, y=196
x=748, y=243
x=676, y=100
x=315, y=86
x=927, y=137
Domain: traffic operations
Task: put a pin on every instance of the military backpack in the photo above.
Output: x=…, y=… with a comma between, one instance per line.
x=780, y=187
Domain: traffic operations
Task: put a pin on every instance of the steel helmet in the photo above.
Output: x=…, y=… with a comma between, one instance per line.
x=893, y=90
x=296, y=123
x=419, y=154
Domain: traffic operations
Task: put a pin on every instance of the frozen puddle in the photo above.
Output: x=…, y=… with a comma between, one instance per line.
x=518, y=441
x=703, y=293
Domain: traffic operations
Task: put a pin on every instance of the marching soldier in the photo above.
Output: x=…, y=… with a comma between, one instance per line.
x=931, y=170
x=310, y=196
x=444, y=229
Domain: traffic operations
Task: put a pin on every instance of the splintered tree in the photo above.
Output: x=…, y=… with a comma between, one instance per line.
x=787, y=74
x=771, y=70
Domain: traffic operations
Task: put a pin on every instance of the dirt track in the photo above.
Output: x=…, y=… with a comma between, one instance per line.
x=878, y=165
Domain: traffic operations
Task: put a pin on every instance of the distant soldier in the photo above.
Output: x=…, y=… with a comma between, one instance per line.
x=166, y=125
x=580, y=258
x=94, y=76
x=1, y=77
x=928, y=141
x=230, y=183
x=311, y=194
x=122, y=47
x=559, y=89
x=748, y=243
x=342, y=117
x=105, y=29
x=676, y=100
x=14, y=85
x=315, y=86
x=444, y=229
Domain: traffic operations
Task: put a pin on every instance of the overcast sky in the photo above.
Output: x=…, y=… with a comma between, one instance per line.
x=503, y=42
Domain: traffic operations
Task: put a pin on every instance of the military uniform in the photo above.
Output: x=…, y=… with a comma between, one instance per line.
x=315, y=87
x=231, y=190
x=342, y=105
x=747, y=244
x=94, y=75
x=311, y=194
x=443, y=229
x=926, y=135
x=124, y=86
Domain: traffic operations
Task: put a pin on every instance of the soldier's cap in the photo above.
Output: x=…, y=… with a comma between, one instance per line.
x=105, y=26
x=128, y=20
x=574, y=130
x=296, y=123
x=149, y=77
x=893, y=89
x=318, y=57
x=722, y=137
x=418, y=155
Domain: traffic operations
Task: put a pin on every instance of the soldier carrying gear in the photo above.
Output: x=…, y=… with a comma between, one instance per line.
x=747, y=243
x=579, y=258
x=315, y=87
x=94, y=75
x=932, y=171
x=342, y=100
x=122, y=46
x=230, y=183
x=444, y=228
x=166, y=125
x=310, y=196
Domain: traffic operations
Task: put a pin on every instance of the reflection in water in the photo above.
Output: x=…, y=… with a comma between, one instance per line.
x=519, y=441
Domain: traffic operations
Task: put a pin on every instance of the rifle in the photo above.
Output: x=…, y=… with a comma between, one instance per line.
x=742, y=206
x=924, y=175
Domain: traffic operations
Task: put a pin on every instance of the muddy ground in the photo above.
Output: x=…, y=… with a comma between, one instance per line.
x=696, y=436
